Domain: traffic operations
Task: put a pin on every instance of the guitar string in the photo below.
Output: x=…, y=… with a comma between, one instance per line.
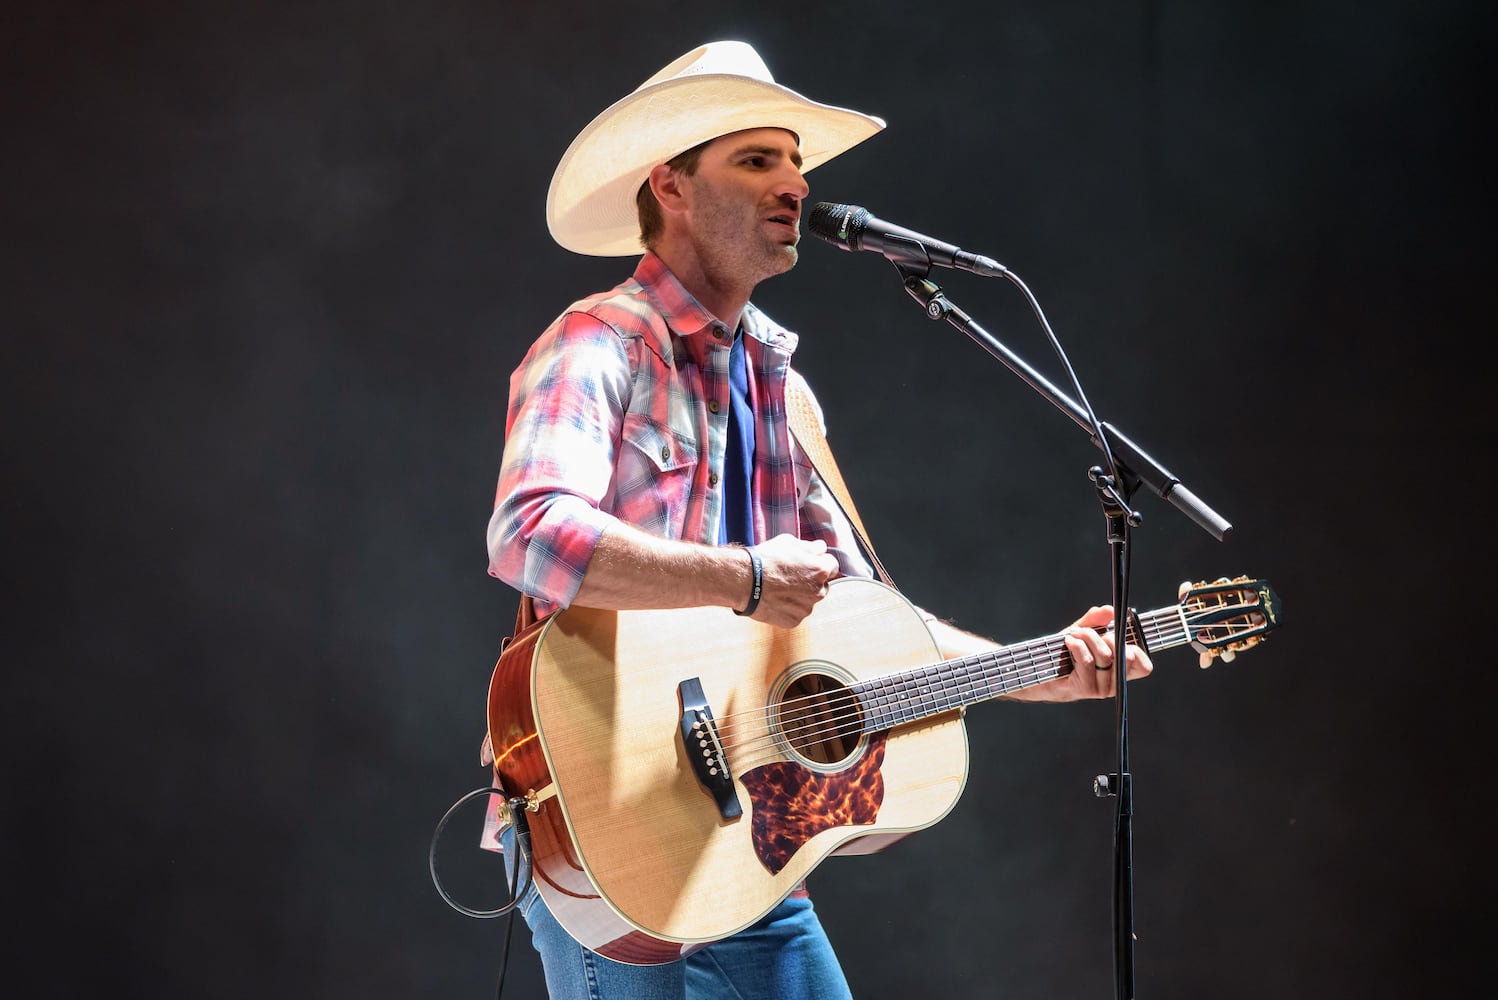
x=845, y=715
x=871, y=708
x=1001, y=665
x=823, y=716
x=1158, y=625
x=828, y=723
x=1004, y=657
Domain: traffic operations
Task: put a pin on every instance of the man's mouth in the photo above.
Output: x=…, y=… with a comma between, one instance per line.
x=788, y=219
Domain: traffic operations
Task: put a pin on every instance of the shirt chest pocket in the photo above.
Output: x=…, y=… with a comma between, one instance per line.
x=662, y=448
x=655, y=475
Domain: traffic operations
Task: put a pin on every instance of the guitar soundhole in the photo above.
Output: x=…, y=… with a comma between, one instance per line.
x=820, y=719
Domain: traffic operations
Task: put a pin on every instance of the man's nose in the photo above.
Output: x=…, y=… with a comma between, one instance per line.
x=792, y=183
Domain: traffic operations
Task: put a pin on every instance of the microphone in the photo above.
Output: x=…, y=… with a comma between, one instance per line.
x=853, y=228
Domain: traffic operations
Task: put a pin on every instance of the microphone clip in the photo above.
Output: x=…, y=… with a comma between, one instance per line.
x=909, y=256
x=926, y=292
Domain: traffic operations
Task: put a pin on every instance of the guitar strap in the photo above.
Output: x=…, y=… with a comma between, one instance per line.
x=806, y=427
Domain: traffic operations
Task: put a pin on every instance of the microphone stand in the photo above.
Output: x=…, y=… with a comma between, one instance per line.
x=1128, y=467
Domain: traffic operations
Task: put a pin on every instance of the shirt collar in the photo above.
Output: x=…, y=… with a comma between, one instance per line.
x=686, y=316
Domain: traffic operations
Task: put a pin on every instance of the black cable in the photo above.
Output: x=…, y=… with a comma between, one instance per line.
x=521, y=826
x=523, y=848
x=1120, y=522
x=504, y=956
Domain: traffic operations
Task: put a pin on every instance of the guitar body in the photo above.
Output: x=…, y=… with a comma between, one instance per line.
x=631, y=852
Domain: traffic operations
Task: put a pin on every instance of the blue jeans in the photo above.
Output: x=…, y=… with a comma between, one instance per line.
x=784, y=956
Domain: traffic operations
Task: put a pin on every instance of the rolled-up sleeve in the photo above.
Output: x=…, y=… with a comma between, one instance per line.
x=567, y=402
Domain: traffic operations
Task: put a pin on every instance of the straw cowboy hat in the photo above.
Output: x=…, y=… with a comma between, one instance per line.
x=713, y=90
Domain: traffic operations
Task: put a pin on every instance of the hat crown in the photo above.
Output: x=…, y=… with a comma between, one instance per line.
x=728, y=58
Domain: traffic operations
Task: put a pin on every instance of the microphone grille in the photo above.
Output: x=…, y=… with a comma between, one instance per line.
x=839, y=224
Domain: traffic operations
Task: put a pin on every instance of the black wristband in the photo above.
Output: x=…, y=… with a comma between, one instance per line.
x=758, y=586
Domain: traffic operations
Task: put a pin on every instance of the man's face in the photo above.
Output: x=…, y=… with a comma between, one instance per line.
x=746, y=199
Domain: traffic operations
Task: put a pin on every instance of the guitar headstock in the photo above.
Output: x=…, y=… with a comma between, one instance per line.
x=1226, y=616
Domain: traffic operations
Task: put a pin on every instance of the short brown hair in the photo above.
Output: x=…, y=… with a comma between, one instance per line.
x=648, y=209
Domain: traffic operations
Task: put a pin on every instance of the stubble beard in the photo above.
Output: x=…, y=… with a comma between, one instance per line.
x=727, y=249
x=749, y=259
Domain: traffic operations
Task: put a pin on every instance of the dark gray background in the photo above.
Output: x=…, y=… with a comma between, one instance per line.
x=267, y=269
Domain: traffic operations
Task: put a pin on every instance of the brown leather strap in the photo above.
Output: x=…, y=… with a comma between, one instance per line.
x=806, y=426
x=525, y=615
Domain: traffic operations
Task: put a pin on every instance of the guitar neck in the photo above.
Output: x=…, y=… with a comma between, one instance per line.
x=911, y=695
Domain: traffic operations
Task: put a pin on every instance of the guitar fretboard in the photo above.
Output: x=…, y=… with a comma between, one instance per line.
x=920, y=693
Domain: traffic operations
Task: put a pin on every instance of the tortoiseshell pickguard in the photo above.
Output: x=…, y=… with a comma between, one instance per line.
x=791, y=803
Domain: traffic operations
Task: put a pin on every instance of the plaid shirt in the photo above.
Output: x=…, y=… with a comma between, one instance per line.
x=620, y=411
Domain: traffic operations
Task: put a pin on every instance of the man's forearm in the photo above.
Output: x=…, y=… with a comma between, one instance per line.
x=631, y=569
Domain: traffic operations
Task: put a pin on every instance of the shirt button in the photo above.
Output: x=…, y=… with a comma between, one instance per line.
x=712, y=479
x=719, y=332
x=712, y=405
x=665, y=453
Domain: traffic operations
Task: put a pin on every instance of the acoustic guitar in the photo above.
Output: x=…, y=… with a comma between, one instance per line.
x=685, y=770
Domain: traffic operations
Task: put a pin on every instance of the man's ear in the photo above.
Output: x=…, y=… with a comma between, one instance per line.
x=666, y=185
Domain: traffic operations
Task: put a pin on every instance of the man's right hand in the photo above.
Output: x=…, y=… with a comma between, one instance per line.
x=796, y=574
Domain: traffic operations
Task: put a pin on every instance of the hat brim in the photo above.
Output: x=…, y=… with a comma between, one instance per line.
x=590, y=207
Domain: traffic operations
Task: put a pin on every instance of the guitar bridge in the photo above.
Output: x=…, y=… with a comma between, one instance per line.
x=699, y=737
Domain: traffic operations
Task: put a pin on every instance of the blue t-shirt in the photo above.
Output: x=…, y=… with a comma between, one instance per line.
x=738, y=460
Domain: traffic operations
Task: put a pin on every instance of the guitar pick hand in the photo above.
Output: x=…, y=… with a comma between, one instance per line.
x=795, y=577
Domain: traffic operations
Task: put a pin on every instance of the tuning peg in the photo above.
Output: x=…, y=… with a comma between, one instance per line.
x=1204, y=659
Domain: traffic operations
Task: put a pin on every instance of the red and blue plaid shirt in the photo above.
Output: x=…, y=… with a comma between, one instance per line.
x=620, y=411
